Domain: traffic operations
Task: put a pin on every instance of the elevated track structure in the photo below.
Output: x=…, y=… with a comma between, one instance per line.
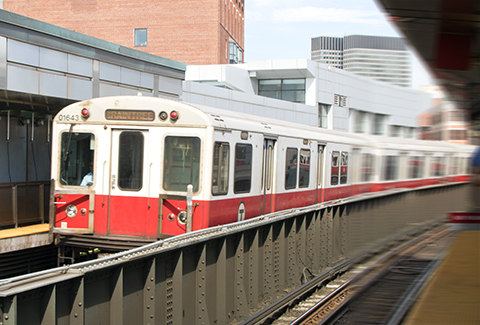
x=226, y=274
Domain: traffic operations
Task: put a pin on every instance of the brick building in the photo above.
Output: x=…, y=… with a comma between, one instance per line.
x=194, y=32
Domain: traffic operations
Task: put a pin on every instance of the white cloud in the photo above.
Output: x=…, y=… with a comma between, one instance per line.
x=315, y=14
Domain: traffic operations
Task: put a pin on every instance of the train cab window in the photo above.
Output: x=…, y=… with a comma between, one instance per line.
x=390, y=168
x=304, y=177
x=130, y=161
x=335, y=169
x=181, y=163
x=291, y=168
x=77, y=158
x=243, y=168
x=367, y=167
x=221, y=159
x=344, y=168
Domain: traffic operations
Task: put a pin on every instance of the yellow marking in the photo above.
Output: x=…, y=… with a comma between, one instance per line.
x=452, y=295
x=24, y=231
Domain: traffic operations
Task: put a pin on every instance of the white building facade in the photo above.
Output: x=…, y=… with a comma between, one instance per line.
x=309, y=93
x=381, y=58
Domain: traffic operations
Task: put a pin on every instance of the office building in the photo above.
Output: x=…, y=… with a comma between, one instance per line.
x=307, y=92
x=381, y=58
x=194, y=32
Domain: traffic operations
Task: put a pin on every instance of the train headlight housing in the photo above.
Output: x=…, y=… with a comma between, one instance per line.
x=71, y=210
x=182, y=217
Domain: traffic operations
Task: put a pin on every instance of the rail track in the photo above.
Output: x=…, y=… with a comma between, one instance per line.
x=373, y=289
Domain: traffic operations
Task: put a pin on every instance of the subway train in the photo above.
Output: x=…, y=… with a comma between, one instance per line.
x=142, y=167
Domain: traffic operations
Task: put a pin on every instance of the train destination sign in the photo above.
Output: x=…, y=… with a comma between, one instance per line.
x=129, y=115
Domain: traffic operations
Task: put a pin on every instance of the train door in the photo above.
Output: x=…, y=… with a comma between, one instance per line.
x=320, y=173
x=129, y=183
x=268, y=175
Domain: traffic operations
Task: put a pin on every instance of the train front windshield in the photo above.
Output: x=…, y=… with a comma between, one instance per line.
x=76, y=160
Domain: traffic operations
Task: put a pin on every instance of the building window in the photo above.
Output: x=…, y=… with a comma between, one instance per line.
x=234, y=53
x=378, y=124
x=359, y=126
x=292, y=90
x=140, y=37
x=458, y=134
x=323, y=110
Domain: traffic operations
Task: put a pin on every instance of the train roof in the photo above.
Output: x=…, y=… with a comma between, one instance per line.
x=146, y=111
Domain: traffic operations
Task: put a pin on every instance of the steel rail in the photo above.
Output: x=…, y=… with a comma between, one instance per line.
x=411, y=247
x=290, y=299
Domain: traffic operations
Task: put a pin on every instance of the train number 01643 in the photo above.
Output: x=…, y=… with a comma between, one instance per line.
x=68, y=117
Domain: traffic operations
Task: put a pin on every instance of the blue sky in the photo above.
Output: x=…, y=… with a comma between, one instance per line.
x=282, y=29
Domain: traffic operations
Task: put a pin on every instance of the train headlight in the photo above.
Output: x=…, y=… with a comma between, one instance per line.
x=174, y=115
x=171, y=217
x=71, y=211
x=85, y=113
x=182, y=217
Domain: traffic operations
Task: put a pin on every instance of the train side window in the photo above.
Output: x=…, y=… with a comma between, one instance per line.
x=130, y=161
x=367, y=167
x=390, y=171
x=437, y=167
x=76, y=161
x=335, y=163
x=416, y=165
x=182, y=163
x=291, y=168
x=221, y=159
x=243, y=168
x=344, y=168
x=304, y=178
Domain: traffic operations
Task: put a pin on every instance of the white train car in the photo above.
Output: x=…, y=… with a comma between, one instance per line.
x=123, y=165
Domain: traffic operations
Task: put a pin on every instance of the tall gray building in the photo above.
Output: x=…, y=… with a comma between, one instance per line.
x=381, y=58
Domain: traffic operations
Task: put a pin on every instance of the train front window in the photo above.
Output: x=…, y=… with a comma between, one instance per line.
x=77, y=157
x=182, y=163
